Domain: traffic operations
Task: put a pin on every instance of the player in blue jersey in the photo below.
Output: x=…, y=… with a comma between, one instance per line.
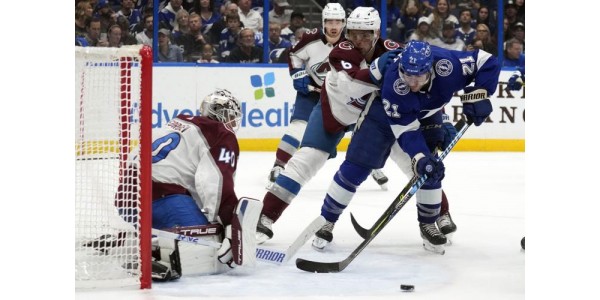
x=414, y=90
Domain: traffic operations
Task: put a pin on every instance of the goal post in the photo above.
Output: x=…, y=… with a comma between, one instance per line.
x=113, y=194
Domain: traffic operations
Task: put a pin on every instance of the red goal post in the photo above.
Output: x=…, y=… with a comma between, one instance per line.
x=113, y=137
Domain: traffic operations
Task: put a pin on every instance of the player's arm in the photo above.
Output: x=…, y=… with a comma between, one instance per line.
x=476, y=103
x=356, y=82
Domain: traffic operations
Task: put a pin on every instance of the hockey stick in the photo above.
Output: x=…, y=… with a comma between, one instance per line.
x=412, y=187
x=265, y=254
x=365, y=233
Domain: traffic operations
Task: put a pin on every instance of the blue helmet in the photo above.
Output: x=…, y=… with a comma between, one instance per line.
x=416, y=59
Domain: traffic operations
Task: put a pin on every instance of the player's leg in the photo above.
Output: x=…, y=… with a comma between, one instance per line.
x=368, y=149
x=290, y=142
x=445, y=222
x=317, y=146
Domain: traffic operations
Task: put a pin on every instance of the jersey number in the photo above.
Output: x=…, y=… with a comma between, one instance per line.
x=391, y=110
x=164, y=145
x=227, y=157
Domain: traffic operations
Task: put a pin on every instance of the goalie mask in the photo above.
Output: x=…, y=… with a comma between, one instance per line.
x=222, y=106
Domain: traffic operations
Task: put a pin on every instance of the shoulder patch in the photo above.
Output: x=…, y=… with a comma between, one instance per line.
x=400, y=87
x=346, y=45
x=391, y=45
x=443, y=67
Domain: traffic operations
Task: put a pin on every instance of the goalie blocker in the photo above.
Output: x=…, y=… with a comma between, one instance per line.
x=172, y=259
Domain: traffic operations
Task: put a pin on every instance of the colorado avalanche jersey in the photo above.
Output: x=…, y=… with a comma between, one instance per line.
x=452, y=71
x=311, y=54
x=196, y=156
x=348, y=85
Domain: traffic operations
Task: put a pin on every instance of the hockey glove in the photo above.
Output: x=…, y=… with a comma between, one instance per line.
x=449, y=131
x=476, y=105
x=515, y=83
x=380, y=65
x=426, y=164
x=224, y=254
x=301, y=80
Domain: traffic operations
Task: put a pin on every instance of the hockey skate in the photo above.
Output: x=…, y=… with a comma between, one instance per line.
x=275, y=171
x=446, y=226
x=324, y=236
x=264, y=229
x=433, y=239
x=380, y=178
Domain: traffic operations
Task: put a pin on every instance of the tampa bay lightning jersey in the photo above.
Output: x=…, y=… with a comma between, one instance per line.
x=452, y=71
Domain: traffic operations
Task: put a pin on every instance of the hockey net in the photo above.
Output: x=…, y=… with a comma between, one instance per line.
x=112, y=166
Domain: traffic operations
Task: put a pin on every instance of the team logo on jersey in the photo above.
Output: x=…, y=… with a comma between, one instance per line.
x=390, y=45
x=320, y=69
x=443, y=67
x=400, y=87
x=345, y=45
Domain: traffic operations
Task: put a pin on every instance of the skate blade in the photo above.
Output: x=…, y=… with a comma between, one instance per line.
x=319, y=244
x=449, y=239
x=261, y=238
x=438, y=249
x=383, y=187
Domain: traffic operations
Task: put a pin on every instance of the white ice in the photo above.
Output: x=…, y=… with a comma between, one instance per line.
x=486, y=191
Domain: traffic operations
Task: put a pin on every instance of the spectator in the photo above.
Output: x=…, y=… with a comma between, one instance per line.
x=134, y=16
x=208, y=13
x=520, y=10
x=246, y=51
x=281, y=13
x=393, y=15
x=484, y=17
x=126, y=37
x=145, y=37
x=194, y=40
x=518, y=32
x=483, y=36
x=275, y=40
x=471, y=5
x=513, y=56
x=510, y=12
x=92, y=36
x=229, y=35
x=167, y=16
x=114, y=36
x=182, y=25
x=208, y=55
x=251, y=18
x=439, y=16
x=83, y=13
x=408, y=21
x=297, y=20
x=168, y=52
x=214, y=34
x=106, y=15
x=449, y=40
x=422, y=33
x=465, y=31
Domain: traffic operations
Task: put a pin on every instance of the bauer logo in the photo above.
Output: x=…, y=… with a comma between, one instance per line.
x=263, y=85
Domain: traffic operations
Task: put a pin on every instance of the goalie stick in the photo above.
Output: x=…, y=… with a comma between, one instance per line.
x=411, y=188
x=365, y=233
x=265, y=254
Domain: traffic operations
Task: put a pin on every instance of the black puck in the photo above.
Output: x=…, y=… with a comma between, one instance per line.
x=523, y=243
x=407, y=287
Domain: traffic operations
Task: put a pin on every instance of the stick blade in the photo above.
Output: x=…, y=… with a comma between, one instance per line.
x=364, y=233
x=318, y=267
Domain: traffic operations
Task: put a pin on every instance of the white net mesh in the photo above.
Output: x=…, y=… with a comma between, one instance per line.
x=107, y=96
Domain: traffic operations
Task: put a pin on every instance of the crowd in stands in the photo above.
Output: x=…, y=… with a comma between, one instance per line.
x=213, y=31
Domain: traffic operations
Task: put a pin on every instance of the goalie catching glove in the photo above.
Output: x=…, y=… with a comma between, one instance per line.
x=476, y=104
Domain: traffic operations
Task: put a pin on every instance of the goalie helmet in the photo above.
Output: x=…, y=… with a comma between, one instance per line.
x=363, y=18
x=333, y=11
x=222, y=106
x=416, y=59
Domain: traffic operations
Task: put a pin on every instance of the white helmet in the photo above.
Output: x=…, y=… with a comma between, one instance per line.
x=364, y=18
x=222, y=106
x=333, y=11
